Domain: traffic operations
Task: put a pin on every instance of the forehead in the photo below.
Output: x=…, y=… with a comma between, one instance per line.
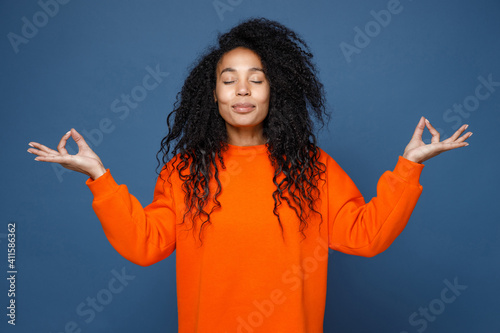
x=239, y=59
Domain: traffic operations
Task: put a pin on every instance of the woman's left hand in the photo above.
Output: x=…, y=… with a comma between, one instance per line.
x=418, y=151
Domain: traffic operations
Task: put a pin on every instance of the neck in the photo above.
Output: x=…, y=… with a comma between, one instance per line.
x=242, y=136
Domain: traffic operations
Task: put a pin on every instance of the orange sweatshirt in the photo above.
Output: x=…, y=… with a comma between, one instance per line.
x=246, y=278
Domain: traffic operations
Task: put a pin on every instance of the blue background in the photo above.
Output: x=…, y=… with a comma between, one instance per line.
x=427, y=58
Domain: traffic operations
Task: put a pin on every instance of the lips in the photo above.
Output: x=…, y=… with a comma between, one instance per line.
x=243, y=107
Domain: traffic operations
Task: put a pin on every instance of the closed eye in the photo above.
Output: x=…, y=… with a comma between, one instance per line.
x=229, y=82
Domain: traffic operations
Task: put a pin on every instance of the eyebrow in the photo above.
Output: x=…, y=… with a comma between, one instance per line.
x=253, y=69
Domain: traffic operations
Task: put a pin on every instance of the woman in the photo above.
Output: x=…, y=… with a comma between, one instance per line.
x=249, y=201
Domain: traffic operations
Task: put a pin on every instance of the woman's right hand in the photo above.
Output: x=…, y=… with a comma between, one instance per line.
x=86, y=161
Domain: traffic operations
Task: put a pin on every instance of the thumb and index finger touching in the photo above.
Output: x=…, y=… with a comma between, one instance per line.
x=85, y=161
x=48, y=154
x=419, y=130
x=77, y=137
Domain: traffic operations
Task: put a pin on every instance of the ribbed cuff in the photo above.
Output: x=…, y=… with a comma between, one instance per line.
x=103, y=185
x=408, y=170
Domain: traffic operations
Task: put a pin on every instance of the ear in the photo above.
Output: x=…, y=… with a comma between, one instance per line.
x=215, y=97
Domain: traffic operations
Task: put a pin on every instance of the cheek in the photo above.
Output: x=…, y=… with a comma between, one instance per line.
x=265, y=96
x=267, y=92
x=223, y=96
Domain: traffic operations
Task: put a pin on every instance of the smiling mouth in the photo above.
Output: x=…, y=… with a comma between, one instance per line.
x=243, y=107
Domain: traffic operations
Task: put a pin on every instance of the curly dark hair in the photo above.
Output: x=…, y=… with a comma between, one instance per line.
x=199, y=132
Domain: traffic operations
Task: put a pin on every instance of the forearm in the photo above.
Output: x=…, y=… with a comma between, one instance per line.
x=141, y=235
x=367, y=229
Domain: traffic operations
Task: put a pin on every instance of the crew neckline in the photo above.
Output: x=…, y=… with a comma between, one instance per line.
x=245, y=150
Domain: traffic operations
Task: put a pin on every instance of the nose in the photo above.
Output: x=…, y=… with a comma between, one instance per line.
x=242, y=88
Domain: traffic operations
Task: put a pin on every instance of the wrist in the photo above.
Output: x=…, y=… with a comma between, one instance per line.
x=97, y=172
x=409, y=157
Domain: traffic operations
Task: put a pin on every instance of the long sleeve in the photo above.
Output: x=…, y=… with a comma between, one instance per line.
x=142, y=235
x=367, y=229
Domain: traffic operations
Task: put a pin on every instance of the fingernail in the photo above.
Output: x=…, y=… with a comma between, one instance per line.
x=68, y=132
x=29, y=144
x=28, y=151
x=36, y=159
x=470, y=134
x=426, y=120
x=466, y=126
x=466, y=144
